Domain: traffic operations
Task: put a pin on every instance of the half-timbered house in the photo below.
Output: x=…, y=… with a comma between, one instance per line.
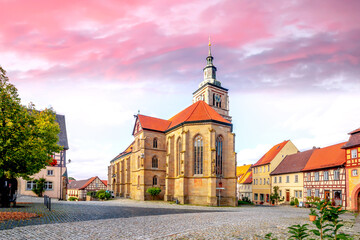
x=324, y=174
x=80, y=188
x=352, y=148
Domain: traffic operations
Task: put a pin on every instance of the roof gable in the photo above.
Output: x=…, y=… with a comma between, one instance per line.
x=271, y=154
x=242, y=169
x=327, y=157
x=247, y=179
x=293, y=163
x=198, y=111
x=151, y=123
x=354, y=139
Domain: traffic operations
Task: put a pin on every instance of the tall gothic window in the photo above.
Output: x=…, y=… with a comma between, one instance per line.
x=198, y=155
x=219, y=156
x=155, y=181
x=155, y=143
x=155, y=162
x=178, y=154
x=138, y=162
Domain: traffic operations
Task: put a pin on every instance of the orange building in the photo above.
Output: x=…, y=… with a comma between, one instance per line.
x=352, y=152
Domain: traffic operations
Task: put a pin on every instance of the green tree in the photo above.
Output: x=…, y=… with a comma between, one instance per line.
x=28, y=137
x=39, y=188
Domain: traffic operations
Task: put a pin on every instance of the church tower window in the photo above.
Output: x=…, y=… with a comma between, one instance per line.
x=155, y=162
x=178, y=154
x=198, y=155
x=219, y=156
x=155, y=143
x=138, y=162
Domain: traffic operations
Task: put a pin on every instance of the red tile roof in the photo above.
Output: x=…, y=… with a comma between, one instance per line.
x=293, y=163
x=199, y=111
x=271, y=154
x=105, y=182
x=354, y=139
x=248, y=180
x=152, y=123
x=331, y=156
x=82, y=184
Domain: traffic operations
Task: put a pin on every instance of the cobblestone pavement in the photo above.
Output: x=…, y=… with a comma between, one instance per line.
x=129, y=219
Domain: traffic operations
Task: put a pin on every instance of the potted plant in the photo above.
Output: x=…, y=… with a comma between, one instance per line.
x=312, y=215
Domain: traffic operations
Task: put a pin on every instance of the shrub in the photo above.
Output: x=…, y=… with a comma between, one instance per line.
x=91, y=193
x=154, y=191
x=73, y=198
x=292, y=203
x=103, y=195
x=39, y=188
x=296, y=202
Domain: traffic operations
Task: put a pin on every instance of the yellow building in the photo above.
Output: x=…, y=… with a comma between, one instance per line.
x=288, y=176
x=190, y=156
x=261, y=186
x=242, y=174
x=352, y=167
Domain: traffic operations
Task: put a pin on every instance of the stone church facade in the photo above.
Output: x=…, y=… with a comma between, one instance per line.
x=189, y=156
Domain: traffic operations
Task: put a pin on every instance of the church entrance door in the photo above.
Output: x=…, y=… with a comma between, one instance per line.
x=358, y=202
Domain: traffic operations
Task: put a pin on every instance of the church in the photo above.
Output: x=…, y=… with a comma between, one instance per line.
x=190, y=156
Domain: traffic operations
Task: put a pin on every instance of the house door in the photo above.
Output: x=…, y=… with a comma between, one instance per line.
x=327, y=195
x=287, y=195
x=358, y=202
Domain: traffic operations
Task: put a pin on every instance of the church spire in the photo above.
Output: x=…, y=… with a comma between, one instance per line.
x=210, y=70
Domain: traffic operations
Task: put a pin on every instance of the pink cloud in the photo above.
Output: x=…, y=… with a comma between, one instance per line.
x=138, y=40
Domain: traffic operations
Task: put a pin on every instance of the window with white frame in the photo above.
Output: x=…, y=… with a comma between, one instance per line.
x=317, y=176
x=308, y=177
x=275, y=179
x=256, y=196
x=354, y=153
x=268, y=168
x=300, y=194
x=326, y=175
x=264, y=181
x=296, y=194
x=287, y=179
x=296, y=178
x=268, y=181
x=280, y=179
x=317, y=193
x=337, y=174
x=354, y=172
x=50, y=172
x=308, y=192
x=48, y=185
x=30, y=185
x=280, y=193
x=260, y=181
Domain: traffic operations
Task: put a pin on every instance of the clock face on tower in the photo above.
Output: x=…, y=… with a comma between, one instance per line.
x=207, y=73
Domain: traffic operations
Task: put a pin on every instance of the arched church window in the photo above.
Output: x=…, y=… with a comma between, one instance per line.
x=155, y=143
x=138, y=143
x=219, y=156
x=155, y=162
x=138, y=183
x=155, y=181
x=138, y=162
x=178, y=154
x=198, y=155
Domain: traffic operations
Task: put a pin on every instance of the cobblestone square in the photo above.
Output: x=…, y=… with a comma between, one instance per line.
x=129, y=219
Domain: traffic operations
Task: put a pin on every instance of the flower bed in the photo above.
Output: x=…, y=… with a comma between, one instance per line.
x=5, y=216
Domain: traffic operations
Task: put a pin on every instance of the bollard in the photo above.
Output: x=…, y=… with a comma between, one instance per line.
x=49, y=204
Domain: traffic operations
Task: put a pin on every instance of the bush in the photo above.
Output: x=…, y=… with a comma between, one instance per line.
x=245, y=199
x=296, y=202
x=73, y=198
x=103, y=195
x=292, y=203
x=241, y=202
x=154, y=191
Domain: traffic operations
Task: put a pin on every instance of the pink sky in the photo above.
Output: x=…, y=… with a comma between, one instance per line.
x=98, y=62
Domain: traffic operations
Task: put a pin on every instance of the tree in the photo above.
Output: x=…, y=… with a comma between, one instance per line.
x=39, y=188
x=275, y=197
x=28, y=137
x=71, y=178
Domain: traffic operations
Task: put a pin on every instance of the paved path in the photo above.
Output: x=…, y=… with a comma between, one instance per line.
x=129, y=219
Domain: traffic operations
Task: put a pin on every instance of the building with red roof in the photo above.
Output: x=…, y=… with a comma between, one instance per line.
x=352, y=168
x=190, y=156
x=324, y=174
x=80, y=188
x=261, y=170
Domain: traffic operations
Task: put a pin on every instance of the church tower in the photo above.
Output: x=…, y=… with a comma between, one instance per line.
x=210, y=89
